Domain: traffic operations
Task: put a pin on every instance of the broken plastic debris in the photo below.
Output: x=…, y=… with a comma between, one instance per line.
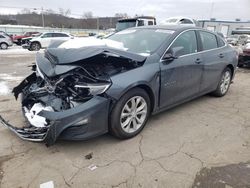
x=49, y=184
x=92, y=167
x=89, y=156
x=34, y=119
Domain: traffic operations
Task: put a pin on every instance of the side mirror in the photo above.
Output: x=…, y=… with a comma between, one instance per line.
x=173, y=53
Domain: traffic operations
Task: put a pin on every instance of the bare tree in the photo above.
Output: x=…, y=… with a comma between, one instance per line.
x=137, y=15
x=50, y=11
x=121, y=15
x=67, y=12
x=64, y=12
x=88, y=14
x=25, y=11
x=61, y=11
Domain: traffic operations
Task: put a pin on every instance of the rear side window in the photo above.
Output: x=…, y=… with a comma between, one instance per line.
x=1, y=36
x=60, y=35
x=187, y=41
x=186, y=21
x=208, y=40
x=220, y=42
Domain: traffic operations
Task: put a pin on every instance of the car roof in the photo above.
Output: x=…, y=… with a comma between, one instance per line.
x=169, y=27
x=179, y=18
x=136, y=18
x=56, y=32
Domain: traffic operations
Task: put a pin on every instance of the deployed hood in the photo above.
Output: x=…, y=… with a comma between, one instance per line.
x=72, y=55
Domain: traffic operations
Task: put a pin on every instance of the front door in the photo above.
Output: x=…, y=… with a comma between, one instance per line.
x=46, y=39
x=180, y=78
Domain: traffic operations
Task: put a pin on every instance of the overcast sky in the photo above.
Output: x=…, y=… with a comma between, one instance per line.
x=198, y=9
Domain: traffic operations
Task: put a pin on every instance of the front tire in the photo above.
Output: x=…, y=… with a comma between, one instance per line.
x=35, y=46
x=224, y=83
x=130, y=114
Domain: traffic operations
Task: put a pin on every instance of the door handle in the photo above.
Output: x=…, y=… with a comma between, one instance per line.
x=221, y=55
x=198, y=61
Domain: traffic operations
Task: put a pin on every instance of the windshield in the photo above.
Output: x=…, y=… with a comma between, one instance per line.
x=37, y=35
x=121, y=25
x=141, y=41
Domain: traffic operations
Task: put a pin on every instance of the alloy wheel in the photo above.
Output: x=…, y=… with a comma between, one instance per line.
x=35, y=47
x=225, y=82
x=133, y=114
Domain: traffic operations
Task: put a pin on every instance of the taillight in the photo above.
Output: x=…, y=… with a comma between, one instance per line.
x=246, y=51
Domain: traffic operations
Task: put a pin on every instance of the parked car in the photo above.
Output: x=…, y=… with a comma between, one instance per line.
x=4, y=33
x=244, y=57
x=17, y=38
x=237, y=40
x=27, y=39
x=179, y=21
x=135, y=22
x=43, y=40
x=5, y=41
x=115, y=84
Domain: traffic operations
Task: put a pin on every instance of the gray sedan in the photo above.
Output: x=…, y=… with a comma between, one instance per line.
x=113, y=86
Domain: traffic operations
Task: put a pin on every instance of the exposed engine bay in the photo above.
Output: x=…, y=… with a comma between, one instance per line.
x=65, y=96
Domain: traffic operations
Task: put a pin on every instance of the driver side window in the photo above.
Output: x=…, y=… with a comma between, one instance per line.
x=187, y=42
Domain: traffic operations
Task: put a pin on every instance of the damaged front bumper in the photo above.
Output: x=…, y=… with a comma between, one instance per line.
x=30, y=134
x=82, y=122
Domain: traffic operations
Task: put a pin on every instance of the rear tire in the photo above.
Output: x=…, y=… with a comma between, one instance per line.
x=4, y=46
x=130, y=114
x=224, y=83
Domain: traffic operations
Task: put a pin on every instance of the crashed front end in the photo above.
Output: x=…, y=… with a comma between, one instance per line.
x=68, y=100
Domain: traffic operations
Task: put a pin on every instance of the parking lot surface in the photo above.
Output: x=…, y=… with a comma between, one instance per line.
x=178, y=148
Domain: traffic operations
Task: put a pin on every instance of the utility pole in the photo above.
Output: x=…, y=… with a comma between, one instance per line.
x=212, y=9
x=42, y=16
x=97, y=23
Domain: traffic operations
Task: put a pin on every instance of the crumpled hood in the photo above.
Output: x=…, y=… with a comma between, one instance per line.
x=72, y=55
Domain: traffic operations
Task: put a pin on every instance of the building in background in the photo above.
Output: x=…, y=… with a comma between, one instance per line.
x=227, y=28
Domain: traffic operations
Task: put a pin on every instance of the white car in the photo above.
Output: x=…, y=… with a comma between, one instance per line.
x=44, y=40
x=5, y=41
x=179, y=21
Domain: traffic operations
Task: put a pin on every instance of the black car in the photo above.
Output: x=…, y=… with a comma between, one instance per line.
x=80, y=93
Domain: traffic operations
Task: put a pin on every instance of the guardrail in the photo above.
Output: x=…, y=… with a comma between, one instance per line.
x=16, y=30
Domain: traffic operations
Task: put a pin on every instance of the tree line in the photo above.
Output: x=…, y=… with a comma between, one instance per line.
x=60, y=19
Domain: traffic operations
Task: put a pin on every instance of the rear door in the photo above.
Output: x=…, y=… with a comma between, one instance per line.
x=46, y=39
x=214, y=60
x=180, y=78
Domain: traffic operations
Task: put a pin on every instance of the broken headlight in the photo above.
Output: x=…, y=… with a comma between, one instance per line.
x=39, y=73
x=95, y=89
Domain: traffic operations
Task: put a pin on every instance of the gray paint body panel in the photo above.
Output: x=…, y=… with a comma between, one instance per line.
x=170, y=83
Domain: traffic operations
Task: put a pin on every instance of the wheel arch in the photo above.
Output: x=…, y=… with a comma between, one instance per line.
x=36, y=42
x=4, y=43
x=150, y=93
x=231, y=67
x=146, y=88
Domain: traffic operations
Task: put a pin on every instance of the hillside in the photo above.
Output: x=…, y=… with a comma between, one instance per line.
x=59, y=21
